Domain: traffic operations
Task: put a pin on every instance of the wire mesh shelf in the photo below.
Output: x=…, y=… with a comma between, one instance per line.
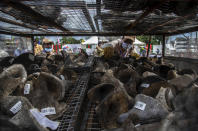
x=93, y=123
x=90, y=16
x=70, y=118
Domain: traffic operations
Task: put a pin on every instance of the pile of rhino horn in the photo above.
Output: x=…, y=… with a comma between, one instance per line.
x=32, y=90
x=144, y=95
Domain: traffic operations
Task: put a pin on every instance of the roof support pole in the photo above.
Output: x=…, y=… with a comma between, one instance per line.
x=88, y=17
x=163, y=46
x=98, y=12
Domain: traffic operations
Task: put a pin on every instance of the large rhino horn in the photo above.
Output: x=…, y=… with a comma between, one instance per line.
x=111, y=107
x=11, y=78
x=55, y=85
x=99, y=92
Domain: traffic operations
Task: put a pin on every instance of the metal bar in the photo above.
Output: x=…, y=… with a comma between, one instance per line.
x=175, y=32
x=57, y=3
x=184, y=59
x=97, y=25
x=98, y=12
x=169, y=22
x=33, y=14
x=8, y=13
x=88, y=17
x=60, y=3
x=20, y=24
x=9, y=33
x=11, y=30
x=163, y=46
x=94, y=33
x=149, y=46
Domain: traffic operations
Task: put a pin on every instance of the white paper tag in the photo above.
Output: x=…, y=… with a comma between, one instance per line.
x=11, y=60
x=16, y=107
x=140, y=105
x=62, y=77
x=31, y=57
x=44, y=121
x=27, y=89
x=48, y=111
x=137, y=125
x=145, y=85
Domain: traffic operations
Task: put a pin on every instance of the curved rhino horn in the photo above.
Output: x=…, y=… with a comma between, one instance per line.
x=11, y=78
x=99, y=92
x=54, y=84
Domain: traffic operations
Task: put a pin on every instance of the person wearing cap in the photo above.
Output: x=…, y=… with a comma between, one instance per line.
x=100, y=51
x=37, y=48
x=47, y=47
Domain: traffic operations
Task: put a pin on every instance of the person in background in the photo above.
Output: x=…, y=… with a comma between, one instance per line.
x=158, y=51
x=24, y=50
x=37, y=48
x=100, y=51
x=125, y=48
x=17, y=52
x=47, y=47
x=144, y=52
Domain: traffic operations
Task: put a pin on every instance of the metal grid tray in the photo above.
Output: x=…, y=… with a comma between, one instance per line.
x=92, y=123
x=69, y=120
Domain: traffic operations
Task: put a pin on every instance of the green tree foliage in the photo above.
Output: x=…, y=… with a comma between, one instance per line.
x=69, y=40
x=156, y=39
x=39, y=38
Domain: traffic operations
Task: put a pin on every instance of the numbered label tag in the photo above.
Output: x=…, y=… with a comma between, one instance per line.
x=140, y=105
x=31, y=57
x=62, y=77
x=48, y=111
x=16, y=107
x=145, y=85
x=27, y=89
x=44, y=121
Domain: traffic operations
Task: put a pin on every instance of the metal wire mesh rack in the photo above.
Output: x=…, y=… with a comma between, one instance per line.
x=93, y=123
x=95, y=17
x=90, y=62
x=69, y=121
